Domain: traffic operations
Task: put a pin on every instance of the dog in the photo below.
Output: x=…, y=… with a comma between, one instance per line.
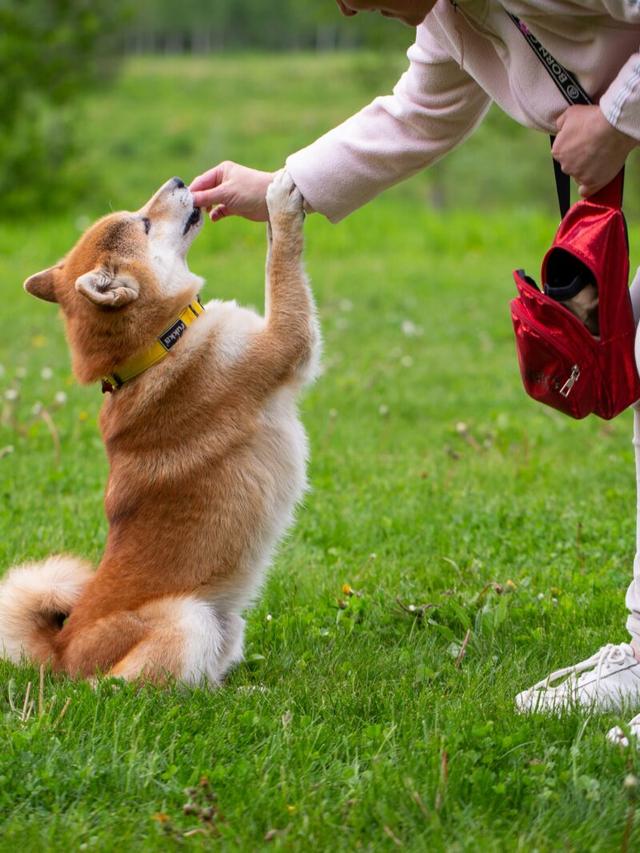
x=206, y=452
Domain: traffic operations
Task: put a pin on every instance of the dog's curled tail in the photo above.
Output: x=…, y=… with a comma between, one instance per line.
x=35, y=598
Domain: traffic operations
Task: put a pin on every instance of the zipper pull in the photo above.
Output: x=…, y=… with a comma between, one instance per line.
x=571, y=381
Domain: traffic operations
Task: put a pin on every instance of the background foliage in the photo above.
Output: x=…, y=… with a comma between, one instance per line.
x=201, y=25
x=50, y=52
x=54, y=51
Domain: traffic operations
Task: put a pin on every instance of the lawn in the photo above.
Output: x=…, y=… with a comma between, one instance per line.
x=446, y=510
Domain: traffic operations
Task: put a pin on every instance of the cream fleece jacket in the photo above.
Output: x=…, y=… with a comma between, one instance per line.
x=465, y=56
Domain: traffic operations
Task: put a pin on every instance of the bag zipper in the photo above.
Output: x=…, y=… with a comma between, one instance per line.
x=567, y=388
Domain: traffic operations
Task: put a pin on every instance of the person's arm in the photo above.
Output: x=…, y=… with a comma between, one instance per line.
x=434, y=106
x=593, y=143
x=620, y=104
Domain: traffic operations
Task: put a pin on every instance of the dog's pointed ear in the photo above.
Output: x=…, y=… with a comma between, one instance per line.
x=42, y=284
x=107, y=289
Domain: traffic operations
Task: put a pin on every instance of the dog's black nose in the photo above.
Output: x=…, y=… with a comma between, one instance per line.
x=178, y=182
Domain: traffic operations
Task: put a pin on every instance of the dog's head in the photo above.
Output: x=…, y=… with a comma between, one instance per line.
x=128, y=255
x=126, y=276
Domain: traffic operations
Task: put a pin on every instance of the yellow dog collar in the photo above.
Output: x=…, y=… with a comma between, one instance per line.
x=137, y=364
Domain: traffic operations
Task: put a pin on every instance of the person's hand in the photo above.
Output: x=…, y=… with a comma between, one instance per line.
x=232, y=190
x=590, y=149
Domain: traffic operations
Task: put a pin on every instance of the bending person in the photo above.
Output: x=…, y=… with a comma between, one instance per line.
x=465, y=56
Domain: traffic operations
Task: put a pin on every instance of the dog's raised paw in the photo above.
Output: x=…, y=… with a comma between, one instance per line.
x=284, y=199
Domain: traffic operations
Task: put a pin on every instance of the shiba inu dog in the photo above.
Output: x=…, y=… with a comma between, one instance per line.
x=206, y=452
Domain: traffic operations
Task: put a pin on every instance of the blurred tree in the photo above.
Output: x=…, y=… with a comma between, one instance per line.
x=186, y=26
x=50, y=51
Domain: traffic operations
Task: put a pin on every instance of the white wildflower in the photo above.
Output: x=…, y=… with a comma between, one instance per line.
x=410, y=329
x=383, y=410
x=11, y=394
x=46, y=373
x=406, y=361
x=36, y=409
x=60, y=398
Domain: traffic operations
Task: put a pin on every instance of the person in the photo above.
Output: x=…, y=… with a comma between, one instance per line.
x=468, y=54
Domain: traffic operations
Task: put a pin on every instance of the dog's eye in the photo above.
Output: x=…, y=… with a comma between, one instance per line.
x=147, y=225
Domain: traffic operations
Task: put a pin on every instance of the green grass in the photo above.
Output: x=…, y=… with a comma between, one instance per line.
x=350, y=725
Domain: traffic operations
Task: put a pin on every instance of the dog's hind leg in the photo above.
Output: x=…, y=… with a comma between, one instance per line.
x=185, y=639
x=92, y=646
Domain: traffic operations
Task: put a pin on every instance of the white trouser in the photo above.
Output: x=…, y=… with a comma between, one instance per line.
x=633, y=593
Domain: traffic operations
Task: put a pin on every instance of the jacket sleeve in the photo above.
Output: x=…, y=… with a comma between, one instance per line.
x=434, y=106
x=621, y=102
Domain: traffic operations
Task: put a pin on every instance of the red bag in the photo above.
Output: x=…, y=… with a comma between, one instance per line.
x=561, y=362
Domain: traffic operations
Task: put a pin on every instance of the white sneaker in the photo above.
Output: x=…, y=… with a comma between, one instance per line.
x=617, y=736
x=607, y=681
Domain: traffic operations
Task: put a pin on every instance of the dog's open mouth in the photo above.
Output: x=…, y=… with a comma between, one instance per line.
x=194, y=219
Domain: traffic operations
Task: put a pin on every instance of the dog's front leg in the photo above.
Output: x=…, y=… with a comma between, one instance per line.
x=291, y=339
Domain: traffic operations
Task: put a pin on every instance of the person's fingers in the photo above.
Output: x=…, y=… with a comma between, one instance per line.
x=210, y=179
x=211, y=198
x=217, y=213
x=562, y=119
x=346, y=10
x=556, y=148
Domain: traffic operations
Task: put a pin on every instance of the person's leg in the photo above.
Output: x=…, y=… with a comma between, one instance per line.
x=633, y=592
x=634, y=290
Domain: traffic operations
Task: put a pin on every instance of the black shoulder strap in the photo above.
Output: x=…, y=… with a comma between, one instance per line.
x=563, y=186
x=565, y=81
x=572, y=92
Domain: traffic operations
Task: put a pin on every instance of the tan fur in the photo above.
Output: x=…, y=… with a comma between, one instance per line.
x=206, y=453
